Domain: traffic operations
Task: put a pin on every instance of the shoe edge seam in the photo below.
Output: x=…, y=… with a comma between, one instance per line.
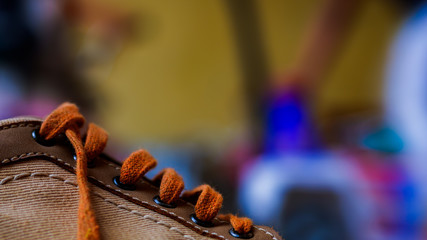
x=35, y=123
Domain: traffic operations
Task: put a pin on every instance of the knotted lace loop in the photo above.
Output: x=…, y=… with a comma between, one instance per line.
x=66, y=116
x=136, y=166
x=96, y=140
x=208, y=202
x=171, y=185
x=241, y=225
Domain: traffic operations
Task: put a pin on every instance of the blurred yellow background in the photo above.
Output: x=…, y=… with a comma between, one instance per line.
x=179, y=76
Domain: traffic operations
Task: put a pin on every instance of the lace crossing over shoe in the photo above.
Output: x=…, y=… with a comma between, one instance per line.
x=67, y=120
x=55, y=181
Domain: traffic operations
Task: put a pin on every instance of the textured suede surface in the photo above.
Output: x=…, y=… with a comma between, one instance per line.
x=39, y=198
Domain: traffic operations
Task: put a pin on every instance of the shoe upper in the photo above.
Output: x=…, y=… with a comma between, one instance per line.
x=39, y=195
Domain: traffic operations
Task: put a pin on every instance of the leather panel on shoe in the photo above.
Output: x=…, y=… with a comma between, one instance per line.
x=17, y=144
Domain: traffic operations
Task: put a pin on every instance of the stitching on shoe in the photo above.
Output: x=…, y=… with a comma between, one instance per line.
x=34, y=154
x=118, y=168
x=172, y=213
x=124, y=207
x=14, y=125
x=267, y=232
x=151, y=186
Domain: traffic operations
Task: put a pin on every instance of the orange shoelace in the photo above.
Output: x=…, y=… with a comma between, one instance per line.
x=67, y=120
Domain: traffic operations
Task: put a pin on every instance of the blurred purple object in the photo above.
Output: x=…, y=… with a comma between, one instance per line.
x=289, y=127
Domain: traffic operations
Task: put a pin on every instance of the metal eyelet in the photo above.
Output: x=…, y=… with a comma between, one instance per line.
x=49, y=143
x=130, y=187
x=157, y=200
x=200, y=222
x=238, y=235
x=40, y=140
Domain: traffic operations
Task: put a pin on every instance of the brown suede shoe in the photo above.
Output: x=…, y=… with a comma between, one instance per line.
x=54, y=185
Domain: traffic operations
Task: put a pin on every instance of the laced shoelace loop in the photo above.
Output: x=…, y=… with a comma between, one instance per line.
x=241, y=225
x=96, y=141
x=207, y=202
x=67, y=119
x=171, y=185
x=136, y=166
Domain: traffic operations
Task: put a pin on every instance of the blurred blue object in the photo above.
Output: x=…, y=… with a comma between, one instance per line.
x=406, y=97
x=384, y=140
x=406, y=85
x=288, y=123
